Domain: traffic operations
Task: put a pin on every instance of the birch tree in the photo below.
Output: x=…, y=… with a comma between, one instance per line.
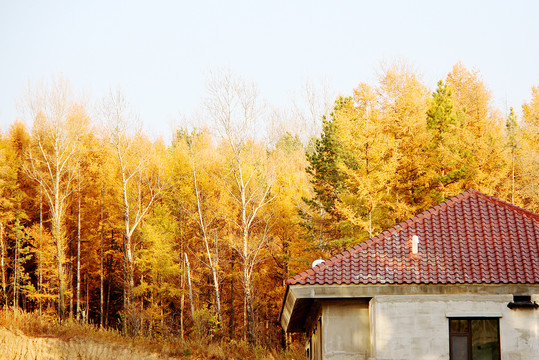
x=141, y=175
x=206, y=219
x=314, y=104
x=235, y=109
x=52, y=161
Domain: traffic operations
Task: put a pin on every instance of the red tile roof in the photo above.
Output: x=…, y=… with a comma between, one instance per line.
x=470, y=238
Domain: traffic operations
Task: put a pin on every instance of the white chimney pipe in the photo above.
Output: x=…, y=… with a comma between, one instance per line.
x=415, y=244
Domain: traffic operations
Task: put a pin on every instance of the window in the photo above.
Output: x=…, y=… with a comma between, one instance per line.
x=474, y=339
x=522, y=302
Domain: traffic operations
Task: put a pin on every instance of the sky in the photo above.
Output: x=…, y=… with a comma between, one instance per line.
x=160, y=53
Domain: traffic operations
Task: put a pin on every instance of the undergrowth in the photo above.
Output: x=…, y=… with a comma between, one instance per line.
x=31, y=324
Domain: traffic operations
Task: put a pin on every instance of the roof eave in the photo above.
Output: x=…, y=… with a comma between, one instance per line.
x=300, y=298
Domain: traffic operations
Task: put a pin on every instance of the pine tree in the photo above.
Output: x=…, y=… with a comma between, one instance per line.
x=511, y=129
x=320, y=218
x=441, y=118
x=447, y=168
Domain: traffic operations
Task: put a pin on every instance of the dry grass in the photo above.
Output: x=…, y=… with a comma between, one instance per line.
x=33, y=335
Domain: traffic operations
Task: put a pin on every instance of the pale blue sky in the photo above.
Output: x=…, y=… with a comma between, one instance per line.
x=160, y=52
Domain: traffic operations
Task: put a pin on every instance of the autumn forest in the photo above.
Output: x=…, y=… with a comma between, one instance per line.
x=195, y=236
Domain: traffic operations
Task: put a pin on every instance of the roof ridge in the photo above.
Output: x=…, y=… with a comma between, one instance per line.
x=508, y=205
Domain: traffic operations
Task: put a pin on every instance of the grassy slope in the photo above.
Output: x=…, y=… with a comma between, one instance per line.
x=28, y=336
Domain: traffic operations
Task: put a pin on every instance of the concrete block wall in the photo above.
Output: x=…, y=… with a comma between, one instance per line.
x=416, y=327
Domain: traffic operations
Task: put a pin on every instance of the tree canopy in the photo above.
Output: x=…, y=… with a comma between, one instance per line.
x=195, y=237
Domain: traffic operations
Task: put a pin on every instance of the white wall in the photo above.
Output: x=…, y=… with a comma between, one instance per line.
x=416, y=327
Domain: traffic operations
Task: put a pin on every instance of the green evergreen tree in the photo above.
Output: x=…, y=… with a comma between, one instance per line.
x=511, y=129
x=448, y=168
x=441, y=117
x=321, y=220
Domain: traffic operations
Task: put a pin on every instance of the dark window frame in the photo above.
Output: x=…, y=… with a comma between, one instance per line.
x=469, y=334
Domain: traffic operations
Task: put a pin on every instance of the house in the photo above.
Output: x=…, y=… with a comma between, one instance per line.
x=458, y=281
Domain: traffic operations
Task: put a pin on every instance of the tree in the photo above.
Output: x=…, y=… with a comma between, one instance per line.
x=205, y=217
x=320, y=216
x=511, y=128
x=52, y=160
x=403, y=103
x=21, y=279
x=234, y=107
x=441, y=118
x=369, y=166
x=315, y=103
x=43, y=253
x=447, y=167
x=530, y=158
x=7, y=214
x=290, y=249
x=481, y=135
x=16, y=211
x=141, y=168
x=160, y=272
